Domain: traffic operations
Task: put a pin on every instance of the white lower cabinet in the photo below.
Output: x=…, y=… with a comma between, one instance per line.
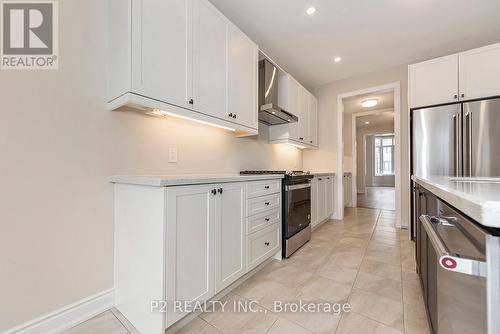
x=230, y=252
x=263, y=244
x=188, y=243
x=322, y=188
x=190, y=260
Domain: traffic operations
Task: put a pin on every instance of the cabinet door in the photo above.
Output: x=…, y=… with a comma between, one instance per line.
x=243, y=76
x=434, y=82
x=480, y=72
x=314, y=202
x=329, y=196
x=294, y=107
x=209, y=60
x=190, y=245
x=229, y=235
x=322, y=198
x=313, y=120
x=303, y=115
x=160, y=52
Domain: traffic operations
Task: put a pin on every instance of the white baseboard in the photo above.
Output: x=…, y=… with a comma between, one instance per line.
x=67, y=316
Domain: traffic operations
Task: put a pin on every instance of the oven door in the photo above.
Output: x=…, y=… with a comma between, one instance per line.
x=297, y=208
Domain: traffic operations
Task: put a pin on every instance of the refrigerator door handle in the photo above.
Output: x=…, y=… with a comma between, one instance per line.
x=468, y=144
x=457, y=144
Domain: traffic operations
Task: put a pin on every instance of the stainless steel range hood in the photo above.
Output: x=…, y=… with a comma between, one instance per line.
x=269, y=111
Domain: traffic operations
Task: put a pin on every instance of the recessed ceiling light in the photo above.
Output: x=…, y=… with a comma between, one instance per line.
x=367, y=122
x=311, y=10
x=369, y=103
x=337, y=59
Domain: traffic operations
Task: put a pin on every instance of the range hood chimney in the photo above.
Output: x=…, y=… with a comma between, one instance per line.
x=269, y=111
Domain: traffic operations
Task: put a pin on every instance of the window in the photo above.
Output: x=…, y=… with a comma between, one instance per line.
x=384, y=154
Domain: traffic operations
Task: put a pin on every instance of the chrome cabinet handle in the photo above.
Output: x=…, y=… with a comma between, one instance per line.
x=447, y=260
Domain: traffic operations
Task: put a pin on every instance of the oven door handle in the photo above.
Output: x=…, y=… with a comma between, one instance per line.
x=447, y=260
x=298, y=186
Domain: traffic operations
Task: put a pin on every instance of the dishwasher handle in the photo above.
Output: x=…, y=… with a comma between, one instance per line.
x=447, y=260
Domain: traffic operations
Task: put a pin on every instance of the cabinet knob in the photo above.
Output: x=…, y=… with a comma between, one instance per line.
x=455, y=96
x=267, y=219
x=220, y=190
x=230, y=115
x=301, y=138
x=267, y=243
x=320, y=179
x=234, y=116
x=191, y=101
x=267, y=187
x=214, y=191
x=267, y=203
x=311, y=141
x=462, y=95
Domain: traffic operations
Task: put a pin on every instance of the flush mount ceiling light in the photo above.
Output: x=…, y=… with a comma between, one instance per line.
x=367, y=122
x=311, y=10
x=337, y=59
x=369, y=103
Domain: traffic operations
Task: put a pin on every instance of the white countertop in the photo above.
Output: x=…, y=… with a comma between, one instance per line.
x=322, y=173
x=479, y=200
x=178, y=180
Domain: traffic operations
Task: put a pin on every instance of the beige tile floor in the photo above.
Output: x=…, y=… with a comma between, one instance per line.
x=363, y=260
x=378, y=198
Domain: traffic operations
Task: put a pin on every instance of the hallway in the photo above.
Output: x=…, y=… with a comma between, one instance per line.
x=383, y=198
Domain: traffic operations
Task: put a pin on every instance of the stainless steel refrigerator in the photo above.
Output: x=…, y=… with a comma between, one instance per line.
x=457, y=140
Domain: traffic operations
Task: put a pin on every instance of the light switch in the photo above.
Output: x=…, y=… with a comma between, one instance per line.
x=172, y=154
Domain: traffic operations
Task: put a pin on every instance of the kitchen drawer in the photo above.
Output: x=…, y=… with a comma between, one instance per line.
x=262, y=245
x=261, y=204
x=261, y=188
x=258, y=222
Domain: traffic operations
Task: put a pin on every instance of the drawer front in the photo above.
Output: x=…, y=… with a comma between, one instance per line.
x=261, y=188
x=262, y=245
x=262, y=204
x=258, y=222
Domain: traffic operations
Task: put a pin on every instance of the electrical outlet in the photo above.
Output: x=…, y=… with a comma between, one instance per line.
x=172, y=154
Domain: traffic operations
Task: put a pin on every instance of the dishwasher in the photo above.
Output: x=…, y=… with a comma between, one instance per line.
x=466, y=273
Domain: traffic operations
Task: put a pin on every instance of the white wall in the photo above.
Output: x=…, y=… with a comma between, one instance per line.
x=325, y=158
x=347, y=136
x=58, y=147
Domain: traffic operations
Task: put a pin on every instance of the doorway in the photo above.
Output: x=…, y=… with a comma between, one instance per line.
x=369, y=140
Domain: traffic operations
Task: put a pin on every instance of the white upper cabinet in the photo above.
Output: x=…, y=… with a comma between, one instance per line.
x=183, y=57
x=159, y=51
x=463, y=76
x=434, y=81
x=313, y=120
x=230, y=235
x=480, y=72
x=243, y=78
x=298, y=101
x=303, y=115
x=209, y=59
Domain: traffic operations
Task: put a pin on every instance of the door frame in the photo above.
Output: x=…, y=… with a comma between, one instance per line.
x=354, y=144
x=339, y=187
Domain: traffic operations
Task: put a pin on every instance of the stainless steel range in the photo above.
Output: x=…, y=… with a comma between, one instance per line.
x=296, y=208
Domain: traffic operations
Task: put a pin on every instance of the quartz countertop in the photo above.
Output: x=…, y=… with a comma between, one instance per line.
x=479, y=198
x=322, y=173
x=178, y=180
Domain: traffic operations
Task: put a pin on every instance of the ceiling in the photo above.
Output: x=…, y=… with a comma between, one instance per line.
x=384, y=118
x=353, y=104
x=368, y=35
